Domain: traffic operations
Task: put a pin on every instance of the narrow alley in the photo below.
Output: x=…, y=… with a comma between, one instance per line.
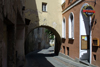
x=49, y=33
x=47, y=58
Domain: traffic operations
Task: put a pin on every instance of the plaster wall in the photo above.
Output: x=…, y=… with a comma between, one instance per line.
x=10, y=11
x=20, y=39
x=4, y=47
x=52, y=18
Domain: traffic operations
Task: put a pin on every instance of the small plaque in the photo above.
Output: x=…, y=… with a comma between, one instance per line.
x=84, y=42
x=95, y=42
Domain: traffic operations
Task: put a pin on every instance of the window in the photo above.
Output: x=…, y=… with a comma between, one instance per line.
x=94, y=57
x=68, y=51
x=63, y=28
x=71, y=26
x=64, y=49
x=44, y=7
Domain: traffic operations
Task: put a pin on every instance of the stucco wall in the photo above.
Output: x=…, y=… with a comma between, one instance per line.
x=52, y=18
x=10, y=14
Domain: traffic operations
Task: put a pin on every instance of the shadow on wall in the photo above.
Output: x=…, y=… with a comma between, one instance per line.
x=31, y=20
x=84, y=57
x=31, y=15
x=86, y=23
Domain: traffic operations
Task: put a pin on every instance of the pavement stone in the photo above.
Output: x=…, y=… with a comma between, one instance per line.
x=47, y=58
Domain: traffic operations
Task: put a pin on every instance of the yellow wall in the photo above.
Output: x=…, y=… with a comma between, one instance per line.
x=52, y=18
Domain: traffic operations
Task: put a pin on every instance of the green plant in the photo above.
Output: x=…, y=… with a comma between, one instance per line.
x=50, y=33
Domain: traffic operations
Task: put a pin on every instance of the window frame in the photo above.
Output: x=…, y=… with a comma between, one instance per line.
x=44, y=7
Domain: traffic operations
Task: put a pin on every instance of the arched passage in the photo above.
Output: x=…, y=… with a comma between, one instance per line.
x=57, y=39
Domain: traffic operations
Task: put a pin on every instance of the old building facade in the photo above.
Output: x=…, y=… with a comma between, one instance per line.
x=12, y=24
x=44, y=13
x=79, y=31
x=17, y=19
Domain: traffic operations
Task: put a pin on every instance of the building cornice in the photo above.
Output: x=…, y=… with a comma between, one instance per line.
x=71, y=6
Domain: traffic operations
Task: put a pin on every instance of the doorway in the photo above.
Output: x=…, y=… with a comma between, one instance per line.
x=84, y=39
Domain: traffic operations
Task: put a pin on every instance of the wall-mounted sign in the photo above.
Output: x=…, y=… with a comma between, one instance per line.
x=88, y=11
x=95, y=42
x=84, y=42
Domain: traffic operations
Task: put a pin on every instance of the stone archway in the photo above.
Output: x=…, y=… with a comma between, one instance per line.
x=57, y=39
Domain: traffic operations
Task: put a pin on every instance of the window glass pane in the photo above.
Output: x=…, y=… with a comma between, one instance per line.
x=44, y=6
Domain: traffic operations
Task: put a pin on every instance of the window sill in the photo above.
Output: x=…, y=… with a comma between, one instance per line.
x=44, y=11
x=72, y=38
x=64, y=37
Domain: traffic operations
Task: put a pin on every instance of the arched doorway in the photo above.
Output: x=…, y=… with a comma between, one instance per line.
x=84, y=40
x=57, y=39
